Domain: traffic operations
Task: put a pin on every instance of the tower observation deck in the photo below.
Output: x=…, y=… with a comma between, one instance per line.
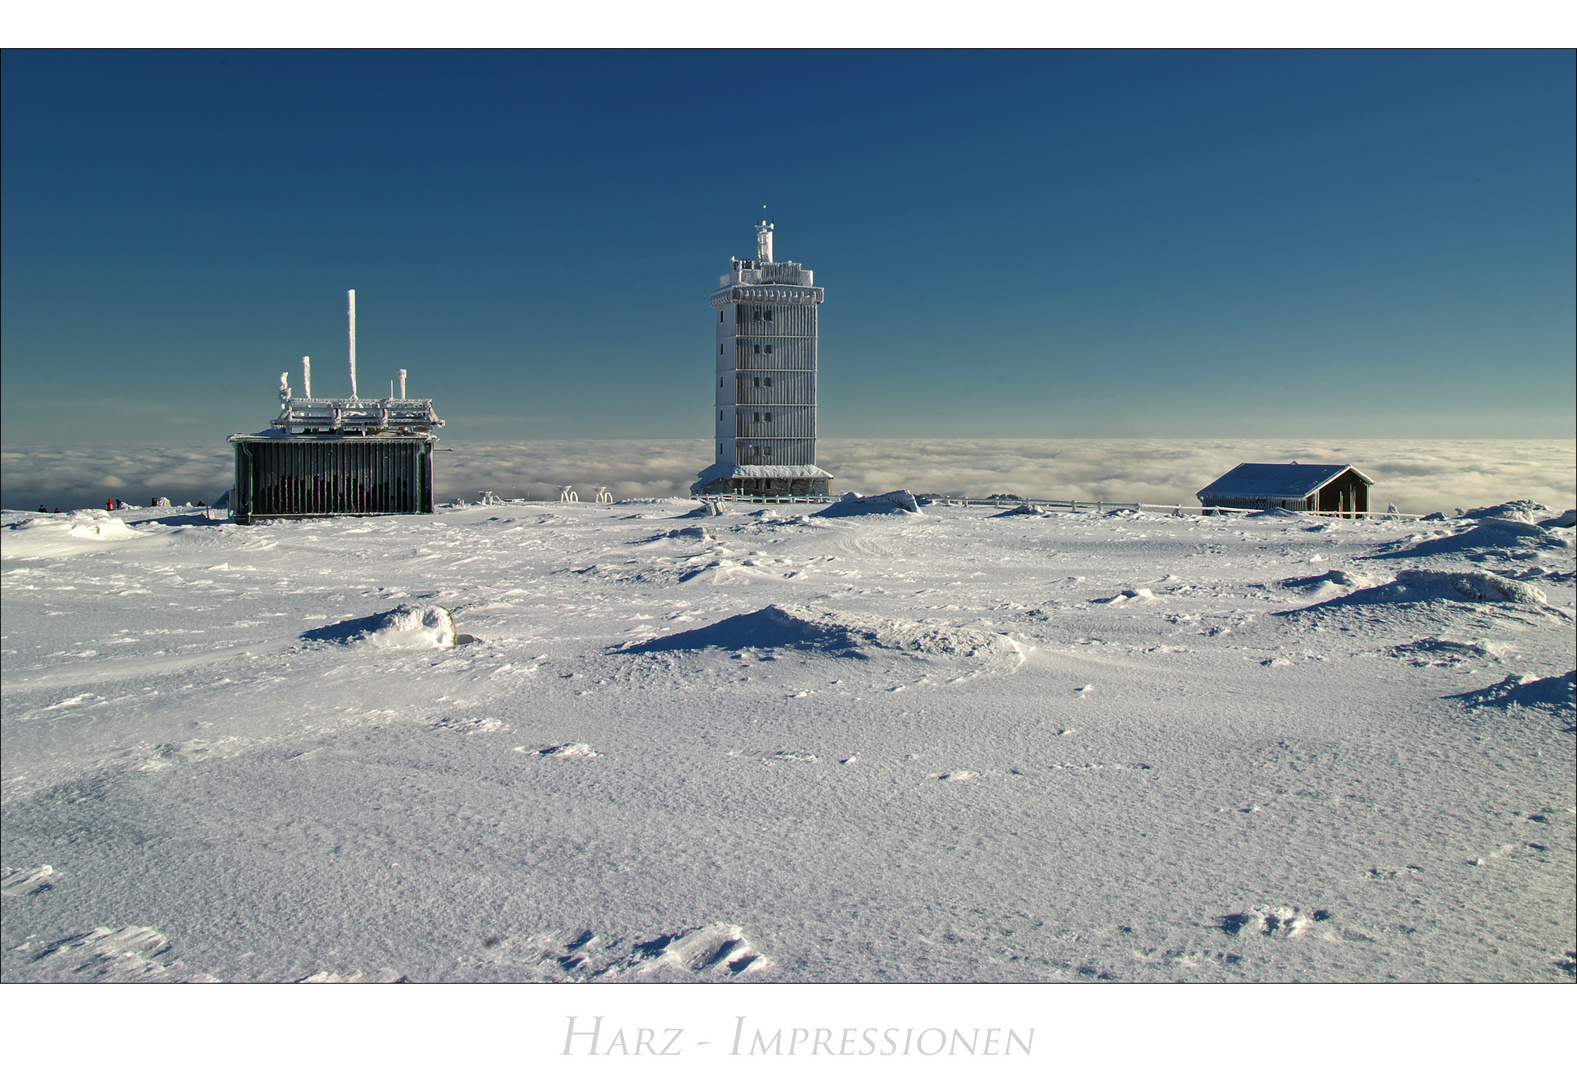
x=766, y=379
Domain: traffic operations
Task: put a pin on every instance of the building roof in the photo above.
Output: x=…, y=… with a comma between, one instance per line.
x=1275, y=481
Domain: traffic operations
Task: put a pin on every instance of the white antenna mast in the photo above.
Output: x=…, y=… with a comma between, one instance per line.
x=402, y=384
x=352, y=294
x=306, y=376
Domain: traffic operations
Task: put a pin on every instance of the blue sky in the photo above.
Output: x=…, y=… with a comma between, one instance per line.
x=1029, y=244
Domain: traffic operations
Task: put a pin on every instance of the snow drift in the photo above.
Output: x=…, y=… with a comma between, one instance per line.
x=789, y=627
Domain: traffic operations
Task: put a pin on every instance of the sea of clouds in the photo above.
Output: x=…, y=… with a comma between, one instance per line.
x=1419, y=476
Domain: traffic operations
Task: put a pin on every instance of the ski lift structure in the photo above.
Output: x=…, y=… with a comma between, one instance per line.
x=333, y=457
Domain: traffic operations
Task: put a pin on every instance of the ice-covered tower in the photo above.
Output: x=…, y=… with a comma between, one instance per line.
x=766, y=379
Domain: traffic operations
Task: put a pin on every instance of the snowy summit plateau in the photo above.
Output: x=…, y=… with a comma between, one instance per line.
x=882, y=741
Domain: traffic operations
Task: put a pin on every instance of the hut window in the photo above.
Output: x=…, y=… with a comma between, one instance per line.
x=766, y=451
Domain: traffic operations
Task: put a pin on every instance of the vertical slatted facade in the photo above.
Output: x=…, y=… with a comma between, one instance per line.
x=765, y=409
x=307, y=477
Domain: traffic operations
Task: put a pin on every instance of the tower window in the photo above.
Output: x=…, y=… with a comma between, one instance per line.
x=758, y=348
x=719, y=449
x=719, y=316
x=758, y=313
x=719, y=414
x=769, y=380
x=769, y=348
x=758, y=418
x=769, y=418
x=719, y=382
x=758, y=380
x=769, y=314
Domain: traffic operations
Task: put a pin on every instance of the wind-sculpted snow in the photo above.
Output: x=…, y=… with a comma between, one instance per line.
x=770, y=746
x=787, y=627
x=1555, y=692
x=853, y=504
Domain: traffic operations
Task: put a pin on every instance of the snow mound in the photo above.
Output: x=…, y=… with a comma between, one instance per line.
x=1564, y=521
x=853, y=504
x=1322, y=586
x=1555, y=693
x=1024, y=510
x=58, y=536
x=708, y=508
x=715, y=953
x=1523, y=510
x=1422, y=586
x=409, y=626
x=789, y=627
x=98, y=525
x=1273, y=512
x=1492, y=535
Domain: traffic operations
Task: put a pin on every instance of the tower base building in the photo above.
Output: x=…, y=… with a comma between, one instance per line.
x=766, y=380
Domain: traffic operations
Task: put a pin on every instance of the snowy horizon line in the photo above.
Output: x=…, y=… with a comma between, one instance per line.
x=1418, y=476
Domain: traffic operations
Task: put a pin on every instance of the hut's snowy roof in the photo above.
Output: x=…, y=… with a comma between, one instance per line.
x=720, y=470
x=1275, y=481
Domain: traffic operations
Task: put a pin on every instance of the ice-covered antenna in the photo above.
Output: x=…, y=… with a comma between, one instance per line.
x=306, y=376
x=352, y=313
x=764, y=238
x=402, y=384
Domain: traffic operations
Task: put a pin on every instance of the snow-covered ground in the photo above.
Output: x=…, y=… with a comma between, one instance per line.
x=775, y=746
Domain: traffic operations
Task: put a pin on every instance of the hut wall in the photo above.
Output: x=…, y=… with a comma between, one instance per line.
x=288, y=478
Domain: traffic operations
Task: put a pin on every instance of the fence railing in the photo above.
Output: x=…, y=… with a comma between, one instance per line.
x=1071, y=506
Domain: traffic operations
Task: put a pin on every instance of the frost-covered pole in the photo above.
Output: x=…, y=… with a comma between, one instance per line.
x=306, y=376
x=402, y=384
x=352, y=313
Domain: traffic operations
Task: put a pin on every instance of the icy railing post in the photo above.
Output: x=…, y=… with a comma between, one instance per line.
x=351, y=313
x=306, y=376
x=402, y=384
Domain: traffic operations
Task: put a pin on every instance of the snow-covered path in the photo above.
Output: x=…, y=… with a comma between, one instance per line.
x=948, y=747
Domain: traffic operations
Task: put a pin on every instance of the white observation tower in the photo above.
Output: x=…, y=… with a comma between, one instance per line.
x=766, y=379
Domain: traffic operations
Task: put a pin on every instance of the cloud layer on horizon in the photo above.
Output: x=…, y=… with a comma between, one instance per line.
x=1418, y=476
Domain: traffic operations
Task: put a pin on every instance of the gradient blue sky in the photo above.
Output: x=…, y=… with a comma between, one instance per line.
x=1033, y=244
